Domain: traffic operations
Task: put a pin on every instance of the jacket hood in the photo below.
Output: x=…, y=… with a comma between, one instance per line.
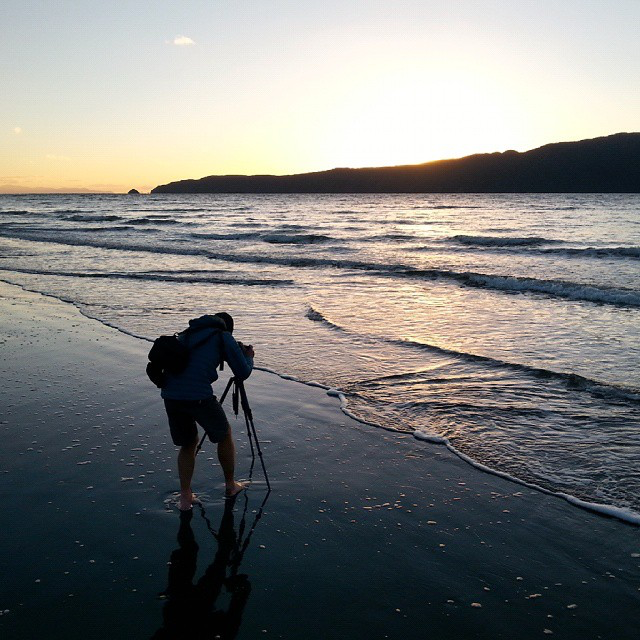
x=208, y=321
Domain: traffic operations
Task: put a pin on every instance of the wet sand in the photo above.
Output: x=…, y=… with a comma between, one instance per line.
x=366, y=534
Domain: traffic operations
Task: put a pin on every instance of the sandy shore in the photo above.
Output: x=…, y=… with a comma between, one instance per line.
x=366, y=534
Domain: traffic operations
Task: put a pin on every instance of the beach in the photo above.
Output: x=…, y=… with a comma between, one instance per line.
x=505, y=325
x=365, y=534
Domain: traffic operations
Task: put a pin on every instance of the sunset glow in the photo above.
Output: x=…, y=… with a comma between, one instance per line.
x=103, y=98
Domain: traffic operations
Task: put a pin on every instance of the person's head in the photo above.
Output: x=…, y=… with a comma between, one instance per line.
x=227, y=319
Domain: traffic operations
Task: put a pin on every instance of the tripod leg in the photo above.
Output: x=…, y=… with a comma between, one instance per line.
x=200, y=444
x=244, y=400
x=264, y=469
x=251, y=429
x=253, y=453
x=224, y=395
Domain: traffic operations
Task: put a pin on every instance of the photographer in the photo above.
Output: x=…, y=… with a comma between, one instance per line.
x=189, y=399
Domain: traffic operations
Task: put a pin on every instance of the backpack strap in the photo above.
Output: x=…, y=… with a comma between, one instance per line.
x=221, y=351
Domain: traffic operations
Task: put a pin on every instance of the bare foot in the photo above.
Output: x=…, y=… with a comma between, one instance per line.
x=234, y=489
x=186, y=500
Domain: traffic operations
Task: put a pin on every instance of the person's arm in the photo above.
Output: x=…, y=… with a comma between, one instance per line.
x=241, y=362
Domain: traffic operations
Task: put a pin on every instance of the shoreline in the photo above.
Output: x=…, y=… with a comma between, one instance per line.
x=623, y=514
x=372, y=534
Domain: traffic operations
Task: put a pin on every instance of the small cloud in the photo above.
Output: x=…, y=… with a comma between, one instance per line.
x=182, y=41
x=17, y=130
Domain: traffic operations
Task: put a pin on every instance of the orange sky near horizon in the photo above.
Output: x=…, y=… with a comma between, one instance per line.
x=106, y=99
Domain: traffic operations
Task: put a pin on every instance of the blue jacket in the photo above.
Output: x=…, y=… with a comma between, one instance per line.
x=194, y=383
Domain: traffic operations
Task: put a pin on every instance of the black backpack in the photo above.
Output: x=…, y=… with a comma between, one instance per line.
x=169, y=354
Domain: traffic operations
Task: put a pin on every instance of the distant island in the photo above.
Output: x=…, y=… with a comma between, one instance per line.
x=609, y=164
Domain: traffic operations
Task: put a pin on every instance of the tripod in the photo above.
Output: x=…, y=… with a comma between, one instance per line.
x=239, y=398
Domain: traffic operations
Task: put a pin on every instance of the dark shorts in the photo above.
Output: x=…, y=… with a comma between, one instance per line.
x=183, y=415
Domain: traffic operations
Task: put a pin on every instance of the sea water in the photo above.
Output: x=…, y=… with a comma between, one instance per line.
x=506, y=326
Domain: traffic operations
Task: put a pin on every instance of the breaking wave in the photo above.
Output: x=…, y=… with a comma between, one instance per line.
x=191, y=277
x=450, y=206
x=117, y=227
x=555, y=288
x=271, y=238
x=157, y=220
x=571, y=380
x=20, y=212
x=593, y=252
x=566, y=252
x=510, y=284
x=294, y=238
x=84, y=217
x=501, y=241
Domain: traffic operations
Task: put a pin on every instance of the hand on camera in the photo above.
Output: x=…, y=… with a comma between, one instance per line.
x=247, y=349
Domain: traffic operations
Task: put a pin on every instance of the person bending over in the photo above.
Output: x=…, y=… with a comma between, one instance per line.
x=188, y=398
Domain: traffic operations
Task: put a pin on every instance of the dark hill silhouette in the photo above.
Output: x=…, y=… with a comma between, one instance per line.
x=609, y=164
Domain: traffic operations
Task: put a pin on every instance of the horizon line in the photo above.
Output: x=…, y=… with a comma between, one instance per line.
x=81, y=191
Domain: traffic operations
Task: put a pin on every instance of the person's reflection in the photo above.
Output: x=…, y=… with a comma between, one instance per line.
x=190, y=610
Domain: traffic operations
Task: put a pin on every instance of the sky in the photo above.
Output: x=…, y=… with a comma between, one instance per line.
x=111, y=95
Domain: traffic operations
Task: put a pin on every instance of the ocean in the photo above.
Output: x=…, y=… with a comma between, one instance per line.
x=505, y=327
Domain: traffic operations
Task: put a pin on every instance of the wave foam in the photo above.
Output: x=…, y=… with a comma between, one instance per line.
x=158, y=220
x=295, y=238
x=271, y=238
x=224, y=236
x=451, y=206
x=194, y=277
x=523, y=249
x=501, y=241
x=595, y=252
x=87, y=217
x=316, y=316
x=554, y=288
x=20, y=212
x=625, y=515
x=572, y=380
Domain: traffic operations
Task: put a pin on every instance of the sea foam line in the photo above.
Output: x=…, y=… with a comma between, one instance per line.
x=552, y=288
x=88, y=217
x=623, y=514
x=591, y=385
x=164, y=276
x=615, y=253
x=270, y=238
x=501, y=241
x=78, y=307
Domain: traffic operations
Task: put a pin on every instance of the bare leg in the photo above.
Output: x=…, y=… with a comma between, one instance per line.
x=186, y=464
x=227, y=458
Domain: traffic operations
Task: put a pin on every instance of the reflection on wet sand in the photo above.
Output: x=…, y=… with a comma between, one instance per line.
x=192, y=609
